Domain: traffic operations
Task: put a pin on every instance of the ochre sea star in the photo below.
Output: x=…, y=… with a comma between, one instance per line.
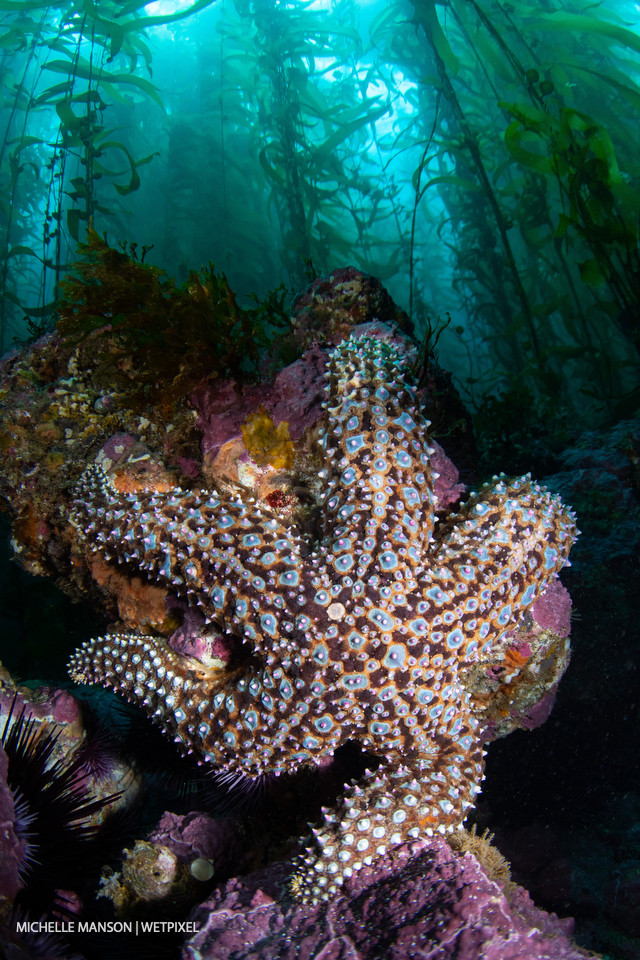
x=361, y=637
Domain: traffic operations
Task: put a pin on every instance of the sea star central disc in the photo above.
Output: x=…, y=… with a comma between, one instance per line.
x=359, y=637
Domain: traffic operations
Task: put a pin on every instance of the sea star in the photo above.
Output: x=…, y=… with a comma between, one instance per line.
x=359, y=637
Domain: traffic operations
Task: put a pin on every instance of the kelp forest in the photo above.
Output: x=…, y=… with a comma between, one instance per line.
x=481, y=159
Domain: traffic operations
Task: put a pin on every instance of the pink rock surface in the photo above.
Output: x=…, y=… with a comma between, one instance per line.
x=539, y=712
x=194, y=638
x=422, y=903
x=552, y=611
x=446, y=486
x=197, y=834
x=296, y=398
x=12, y=849
x=222, y=409
x=50, y=706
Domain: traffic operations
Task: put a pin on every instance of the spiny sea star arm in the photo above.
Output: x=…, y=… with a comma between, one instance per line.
x=252, y=579
x=210, y=716
x=146, y=672
x=240, y=566
x=405, y=798
x=378, y=498
x=491, y=561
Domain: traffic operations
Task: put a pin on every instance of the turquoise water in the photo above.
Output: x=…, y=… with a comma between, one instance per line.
x=480, y=158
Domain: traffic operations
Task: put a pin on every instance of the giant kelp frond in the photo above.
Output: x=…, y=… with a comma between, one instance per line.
x=489, y=151
x=527, y=165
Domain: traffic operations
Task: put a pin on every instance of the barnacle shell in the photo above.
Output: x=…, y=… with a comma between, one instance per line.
x=151, y=872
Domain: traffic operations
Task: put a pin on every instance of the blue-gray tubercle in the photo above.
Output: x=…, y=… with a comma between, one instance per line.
x=361, y=636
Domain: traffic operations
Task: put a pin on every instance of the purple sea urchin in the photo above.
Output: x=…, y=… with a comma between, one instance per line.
x=52, y=810
x=96, y=755
x=19, y=943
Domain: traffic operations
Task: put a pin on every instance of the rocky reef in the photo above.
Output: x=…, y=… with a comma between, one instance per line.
x=88, y=462
x=425, y=902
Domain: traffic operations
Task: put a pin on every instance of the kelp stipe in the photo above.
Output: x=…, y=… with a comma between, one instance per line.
x=480, y=159
x=74, y=61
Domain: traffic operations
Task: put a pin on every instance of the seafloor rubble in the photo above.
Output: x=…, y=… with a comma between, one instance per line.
x=59, y=415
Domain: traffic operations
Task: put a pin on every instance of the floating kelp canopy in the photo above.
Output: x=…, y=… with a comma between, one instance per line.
x=482, y=159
